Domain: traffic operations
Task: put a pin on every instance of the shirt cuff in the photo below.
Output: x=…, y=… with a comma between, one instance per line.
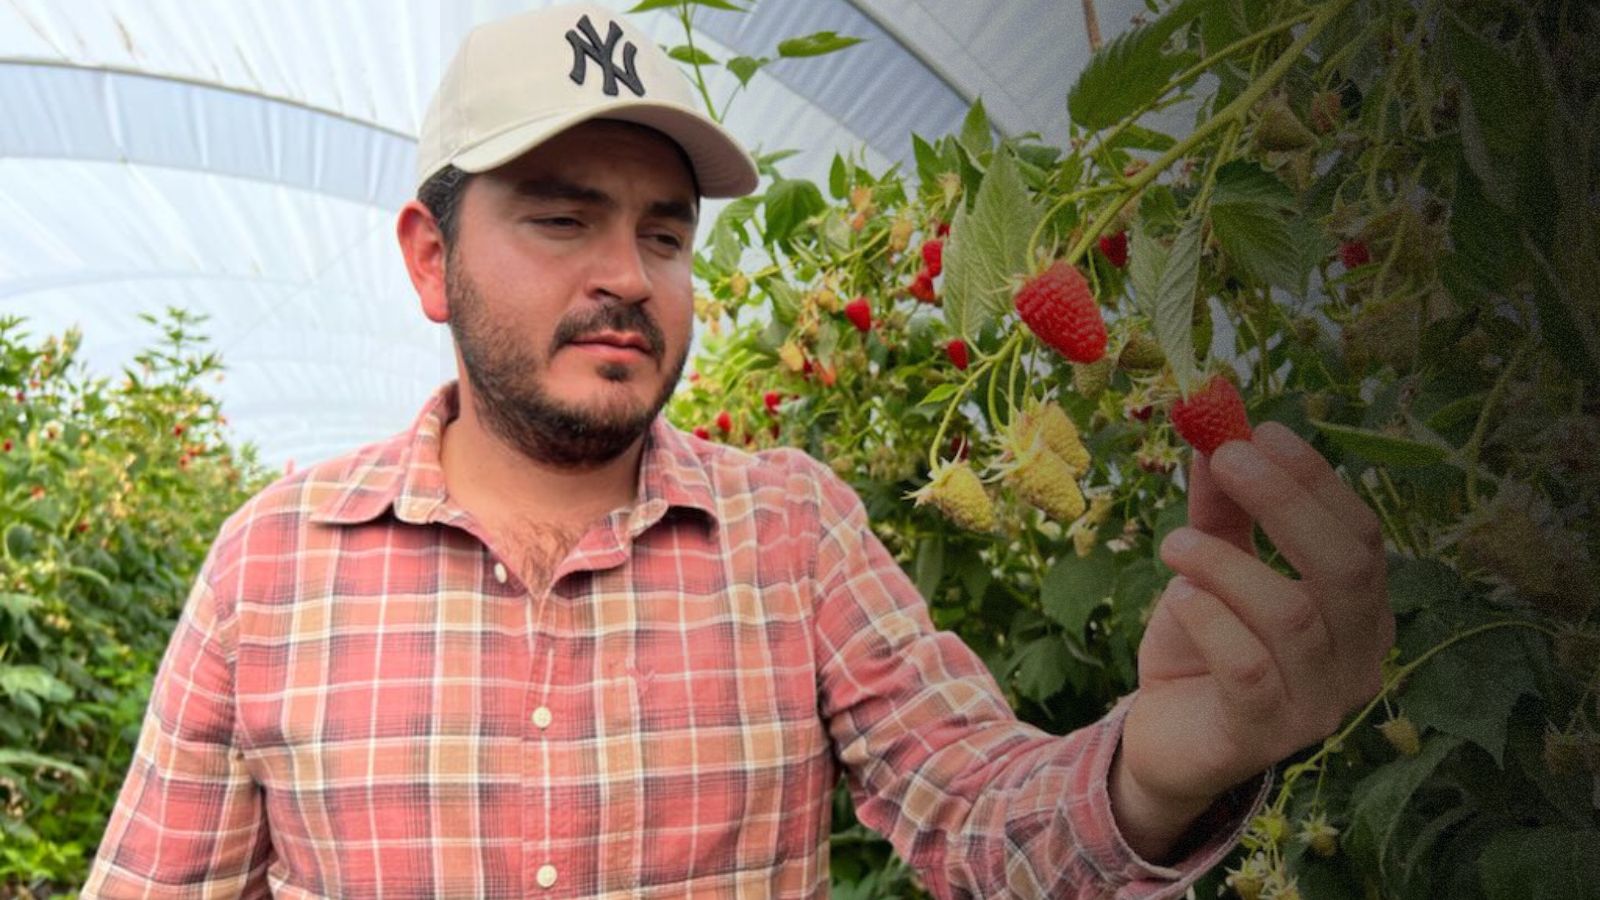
x=1212, y=836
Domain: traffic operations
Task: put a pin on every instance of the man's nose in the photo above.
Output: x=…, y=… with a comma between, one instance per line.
x=619, y=267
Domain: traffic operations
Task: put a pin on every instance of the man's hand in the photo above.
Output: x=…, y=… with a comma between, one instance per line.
x=1240, y=665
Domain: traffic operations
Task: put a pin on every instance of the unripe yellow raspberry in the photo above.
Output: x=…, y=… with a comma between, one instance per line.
x=1045, y=480
x=1402, y=735
x=954, y=489
x=1059, y=434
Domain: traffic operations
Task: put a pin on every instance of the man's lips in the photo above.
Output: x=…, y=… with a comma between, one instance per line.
x=617, y=340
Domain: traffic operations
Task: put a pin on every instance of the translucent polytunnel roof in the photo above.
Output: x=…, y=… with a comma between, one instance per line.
x=245, y=159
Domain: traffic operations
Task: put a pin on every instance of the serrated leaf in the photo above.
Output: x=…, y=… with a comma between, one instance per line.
x=1377, y=802
x=25, y=759
x=976, y=136
x=1041, y=668
x=1259, y=240
x=1243, y=182
x=1074, y=586
x=1164, y=282
x=1375, y=446
x=20, y=681
x=1138, y=137
x=18, y=605
x=647, y=5
x=1449, y=692
x=1416, y=584
x=692, y=55
x=1550, y=863
x=938, y=395
x=1130, y=71
x=745, y=67
x=789, y=202
x=816, y=44
x=986, y=248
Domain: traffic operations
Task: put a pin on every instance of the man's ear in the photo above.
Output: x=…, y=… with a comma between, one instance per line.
x=422, y=247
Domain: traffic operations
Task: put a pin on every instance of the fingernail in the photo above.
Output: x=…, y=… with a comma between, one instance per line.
x=1180, y=540
x=1240, y=458
x=1276, y=436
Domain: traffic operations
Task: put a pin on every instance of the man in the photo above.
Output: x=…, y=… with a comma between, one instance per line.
x=543, y=644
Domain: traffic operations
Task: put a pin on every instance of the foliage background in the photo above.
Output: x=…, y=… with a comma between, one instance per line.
x=1382, y=224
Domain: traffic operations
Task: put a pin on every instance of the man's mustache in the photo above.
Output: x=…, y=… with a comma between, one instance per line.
x=629, y=319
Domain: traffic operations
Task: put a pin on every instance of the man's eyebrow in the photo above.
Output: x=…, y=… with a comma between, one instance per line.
x=676, y=210
x=561, y=189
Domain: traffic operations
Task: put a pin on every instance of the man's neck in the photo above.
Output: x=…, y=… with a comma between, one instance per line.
x=496, y=481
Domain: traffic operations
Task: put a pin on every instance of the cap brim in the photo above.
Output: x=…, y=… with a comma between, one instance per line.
x=721, y=165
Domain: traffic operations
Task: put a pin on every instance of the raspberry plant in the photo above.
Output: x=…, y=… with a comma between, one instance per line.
x=110, y=495
x=1383, y=222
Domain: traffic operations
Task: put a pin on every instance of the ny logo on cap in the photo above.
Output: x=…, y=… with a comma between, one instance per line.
x=589, y=46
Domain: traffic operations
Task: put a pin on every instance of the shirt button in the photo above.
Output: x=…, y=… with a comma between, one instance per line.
x=500, y=572
x=546, y=875
x=541, y=718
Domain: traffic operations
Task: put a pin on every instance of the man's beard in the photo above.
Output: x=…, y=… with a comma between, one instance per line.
x=509, y=398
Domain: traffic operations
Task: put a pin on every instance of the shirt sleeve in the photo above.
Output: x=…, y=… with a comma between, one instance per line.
x=978, y=802
x=189, y=821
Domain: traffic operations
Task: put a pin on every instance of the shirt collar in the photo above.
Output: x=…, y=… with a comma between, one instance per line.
x=404, y=473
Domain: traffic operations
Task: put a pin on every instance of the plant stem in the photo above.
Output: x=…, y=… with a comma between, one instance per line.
x=1469, y=453
x=686, y=16
x=1243, y=43
x=1234, y=110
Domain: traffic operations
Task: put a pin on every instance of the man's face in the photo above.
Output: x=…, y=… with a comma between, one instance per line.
x=569, y=291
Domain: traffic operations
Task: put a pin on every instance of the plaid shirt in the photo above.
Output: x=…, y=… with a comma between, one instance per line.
x=362, y=700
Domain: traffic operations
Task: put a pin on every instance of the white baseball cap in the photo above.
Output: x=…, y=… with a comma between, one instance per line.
x=519, y=81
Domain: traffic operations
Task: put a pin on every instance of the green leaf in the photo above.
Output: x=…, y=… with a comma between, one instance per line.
x=1041, y=668
x=1377, y=801
x=692, y=55
x=25, y=759
x=647, y=5
x=816, y=44
x=1416, y=584
x=1164, y=282
x=1450, y=693
x=789, y=202
x=18, y=605
x=1241, y=182
x=1548, y=863
x=1250, y=214
x=938, y=395
x=17, y=681
x=1130, y=71
x=1075, y=585
x=1260, y=241
x=986, y=248
x=976, y=136
x=745, y=67
x=839, y=178
x=1378, y=447
x=1138, y=137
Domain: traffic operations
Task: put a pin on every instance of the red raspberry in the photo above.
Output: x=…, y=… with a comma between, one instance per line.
x=701, y=433
x=724, y=422
x=1057, y=306
x=859, y=312
x=921, y=288
x=957, y=351
x=772, y=399
x=933, y=256
x=943, y=229
x=1354, y=254
x=1211, y=416
x=1115, y=248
